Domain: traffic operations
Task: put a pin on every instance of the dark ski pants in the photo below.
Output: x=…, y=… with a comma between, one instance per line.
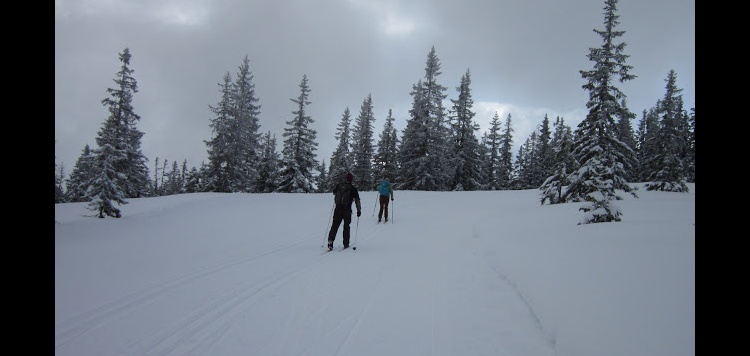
x=341, y=213
x=383, y=207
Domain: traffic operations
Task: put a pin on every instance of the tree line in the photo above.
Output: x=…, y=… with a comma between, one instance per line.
x=438, y=150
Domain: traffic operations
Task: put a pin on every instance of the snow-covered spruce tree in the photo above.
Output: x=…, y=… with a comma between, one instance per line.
x=193, y=181
x=83, y=171
x=491, y=142
x=156, y=185
x=690, y=159
x=646, y=143
x=220, y=174
x=505, y=172
x=465, y=162
x=385, y=160
x=604, y=159
x=545, y=153
x=298, y=163
x=684, y=127
x=670, y=173
x=118, y=168
x=233, y=151
x=59, y=192
x=173, y=180
x=322, y=179
x=246, y=112
x=527, y=163
x=183, y=176
x=268, y=171
x=624, y=133
x=163, y=177
x=341, y=161
x=205, y=177
x=119, y=130
x=362, y=146
x=424, y=153
x=412, y=152
x=537, y=162
x=103, y=188
x=563, y=163
x=482, y=152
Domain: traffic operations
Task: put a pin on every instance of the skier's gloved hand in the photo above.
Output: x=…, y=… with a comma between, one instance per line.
x=391, y=199
x=359, y=213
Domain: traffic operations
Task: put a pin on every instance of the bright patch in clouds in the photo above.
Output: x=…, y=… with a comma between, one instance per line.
x=394, y=25
x=523, y=121
x=391, y=22
x=172, y=12
x=182, y=13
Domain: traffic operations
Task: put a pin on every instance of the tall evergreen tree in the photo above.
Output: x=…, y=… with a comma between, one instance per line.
x=638, y=135
x=156, y=186
x=246, y=114
x=545, y=154
x=491, y=158
x=563, y=163
x=163, y=178
x=491, y=141
x=527, y=163
x=624, y=133
x=385, y=160
x=221, y=161
x=483, y=152
x=690, y=159
x=465, y=162
x=298, y=165
x=268, y=172
x=413, y=150
x=322, y=179
x=505, y=172
x=362, y=146
x=685, y=131
x=647, y=145
x=119, y=131
x=173, y=180
x=341, y=161
x=424, y=152
x=670, y=175
x=183, y=176
x=234, y=150
x=604, y=159
x=118, y=168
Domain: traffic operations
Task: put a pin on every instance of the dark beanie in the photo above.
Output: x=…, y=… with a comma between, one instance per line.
x=349, y=177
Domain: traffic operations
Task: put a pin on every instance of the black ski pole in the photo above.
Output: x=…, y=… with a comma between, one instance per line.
x=376, y=203
x=393, y=211
x=325, y=235
x=356, y=233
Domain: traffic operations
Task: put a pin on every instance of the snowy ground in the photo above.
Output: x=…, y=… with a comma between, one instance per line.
x=453, y=273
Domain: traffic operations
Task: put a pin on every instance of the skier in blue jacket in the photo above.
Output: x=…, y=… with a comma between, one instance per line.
x=385, y=189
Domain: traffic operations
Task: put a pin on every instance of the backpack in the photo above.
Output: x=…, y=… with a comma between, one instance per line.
x=343, y=194
x=384, y=188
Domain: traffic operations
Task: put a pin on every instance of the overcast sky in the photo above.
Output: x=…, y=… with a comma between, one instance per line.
x=524, y=58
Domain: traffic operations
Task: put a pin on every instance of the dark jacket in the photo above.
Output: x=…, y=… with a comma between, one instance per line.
x=354, y=195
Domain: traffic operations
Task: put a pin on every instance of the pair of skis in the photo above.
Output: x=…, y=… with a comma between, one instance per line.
x=339, y=249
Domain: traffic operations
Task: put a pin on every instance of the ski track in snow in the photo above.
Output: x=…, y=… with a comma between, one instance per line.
x=198, y=331
x=195, y=323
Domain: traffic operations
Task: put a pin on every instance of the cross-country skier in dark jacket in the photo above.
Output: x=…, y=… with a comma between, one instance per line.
x=344, y=193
